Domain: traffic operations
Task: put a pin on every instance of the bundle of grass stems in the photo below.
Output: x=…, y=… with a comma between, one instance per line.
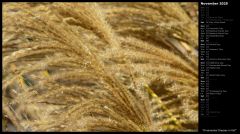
x=100, y=67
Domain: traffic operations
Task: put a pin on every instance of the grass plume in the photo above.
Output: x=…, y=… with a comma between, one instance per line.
x=99, y=67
